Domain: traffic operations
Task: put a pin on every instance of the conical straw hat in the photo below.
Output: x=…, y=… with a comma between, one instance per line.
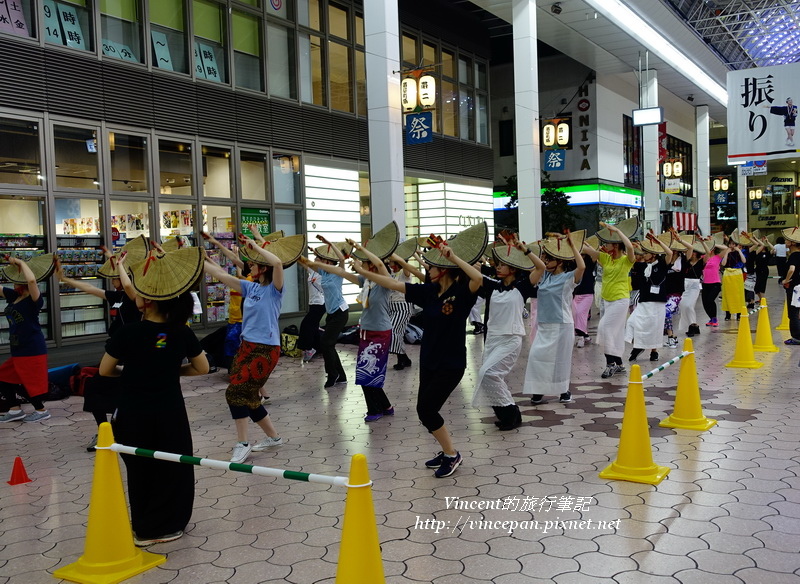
x=719, y=240
x=382, y=244
x=324, y=251
x=41, y=265
x=628, y=226
x=510, y=255
x=137, y=250
x=792, y=234
x=168, y=275
x=740, y=238
x=557, y=247
x=288, y=250
x=469, y=245
x=406, y=248
x=593, y=241
x=651, y=246
x=175, y=243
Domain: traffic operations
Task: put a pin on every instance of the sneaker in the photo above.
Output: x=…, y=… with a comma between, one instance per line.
x=90, y=447
x=712, y=322
x=267, y=443
x=654, y=355
x=308, y=355
x=37, y=416
x=580, y=342
x=12, y=415
x=241, y=451
x=537, y=399
x=608, y=371
x=436, y=461
x=449, y=466
x=342, y=379
x=389, y=412
x=264, y=399
x=620, y=369
x=565, y=398
x=588, y=340
x=372, y=417
x=695, y=328
x=715, y=323
x=332, y=380
x=666, y=343
x=673, y=342
x=791, y=342
x=145, y=542
x=635, y=354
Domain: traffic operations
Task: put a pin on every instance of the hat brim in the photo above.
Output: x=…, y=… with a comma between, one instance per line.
x=175, y=243
x=559, y=248
x=629, y=227
x=649, y=247
x=41, y=265
x=168, y=275
x=511, y=256
x=288, y=250
x=137, y=250
x=382, y=244
x=324, y=251
x=469, y=245
x=792, y=234
x=406, y=248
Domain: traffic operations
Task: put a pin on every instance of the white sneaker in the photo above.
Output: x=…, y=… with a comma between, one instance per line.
x=673, y=342
x=580, y=342
x=308, y=355
x=267, y=443
x=241, y=451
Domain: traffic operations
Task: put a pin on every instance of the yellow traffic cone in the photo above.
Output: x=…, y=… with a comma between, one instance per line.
x=360, y=551
x=109, y=555
x=763, y=340
x=784, y=326
x=634, y=457
x=744, y=356
x=688, y=413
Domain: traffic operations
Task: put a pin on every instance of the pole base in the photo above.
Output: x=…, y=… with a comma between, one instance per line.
x=701, y=424
x=85, y=572
x=746, y=364
x=650, y=476
x=766, y=348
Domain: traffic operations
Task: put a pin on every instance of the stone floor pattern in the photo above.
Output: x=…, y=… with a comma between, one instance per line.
x=728, y=512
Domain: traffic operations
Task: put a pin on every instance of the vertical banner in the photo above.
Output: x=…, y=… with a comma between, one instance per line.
x=419, y=127
x=662, y=142
x=161, y=50
x=762, y=113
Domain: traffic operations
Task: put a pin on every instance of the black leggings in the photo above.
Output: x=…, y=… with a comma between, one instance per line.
x=376, y=399
x=10, y=391
x=709, y=294
x=309, y=328
x=435, y=386
x=334, y=324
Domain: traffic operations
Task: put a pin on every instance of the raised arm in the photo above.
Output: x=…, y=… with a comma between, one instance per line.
x=78, y=284
x=335, y=249
x=407, y=268
x=580, y=264
x=474, y=274
x=216, y=272
x=667, y=251
x=256, y=233
x=336, y=269
x=590, y=251
x=373, y=259
x=625, y=241
x=383, y=281
x=228, y=253
x=30, y=279
x=272, y=259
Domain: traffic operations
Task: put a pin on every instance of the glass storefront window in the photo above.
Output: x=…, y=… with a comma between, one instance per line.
x=176, y=219
x=289, y=221
x=209, y=41
x=282, y=57
x=286, y=178
x=341, y=79
x=247, y=51
x=168, y=35
x=20, y=154
x=68, y=23
x=131, y=219
x=449, y=107
x=361, y=83
x=309, y=13
x=216, y=172
x=219, y=222
x=76, y=158
x=466, y=114
x=480, y=76
x=283, y=9
x=359, y=30
x=409, y=50
x=312, y=89
x=482, y=107
x=448, y=68
x=428, y=54
x=465, y=70
x=337, y=21
x=120, y=23
x=20, y=15
x=129, y=163
x=175, y=167
x=253, y=173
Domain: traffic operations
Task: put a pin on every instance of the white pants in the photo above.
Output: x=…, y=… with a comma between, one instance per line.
x=611, y=328
x=691, y=292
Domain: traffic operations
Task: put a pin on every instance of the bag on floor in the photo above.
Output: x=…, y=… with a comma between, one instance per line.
x=413, y=334
x=77, y=382
x=289, y=345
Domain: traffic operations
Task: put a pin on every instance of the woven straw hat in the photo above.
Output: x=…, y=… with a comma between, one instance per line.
x=175, y=243
x=382, y=244
x=535, y=248
x=697, y=245
x=652, y=247
x=42, y=267
x=557, y=247
x=469, y=245
x=288, y=250
x=137, y=250
x=792, y=234
x=510, y=255
x=324, y=251
x=740, y=238
x=168, y=275
x=675, y=244
x=593, y=241
x=406, y=248
x=628, y=226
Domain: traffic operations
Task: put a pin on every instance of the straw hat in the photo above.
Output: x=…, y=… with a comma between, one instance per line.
x=510, y=255
x=740, y=238
x=288, y=250
x=324, y=251
x=168, y=275
x=755, y=234
x=382, y=244
x=557, y=247
x=137, y=250
x=628, y=226
x=535, y=248
x=406, y=248
x=697, y=245
x=41, y=265
x=791, y=234
x=469, y=245
x=175, y=243
x=675, y=244
x=593, y=241
x=651, y=247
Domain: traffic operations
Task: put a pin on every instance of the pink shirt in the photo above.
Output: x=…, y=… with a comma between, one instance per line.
x=711, y=273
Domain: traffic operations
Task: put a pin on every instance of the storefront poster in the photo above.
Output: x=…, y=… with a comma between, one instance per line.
x=258, y=217
x=161, y=50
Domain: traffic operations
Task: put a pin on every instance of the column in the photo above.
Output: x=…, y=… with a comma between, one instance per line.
x=741, y=200
x=526, y=114
x=651, y=187
x=385, y=121
x=702, y=177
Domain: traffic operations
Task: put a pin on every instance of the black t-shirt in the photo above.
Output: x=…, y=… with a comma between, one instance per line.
x=153, y=353
x=675, y=278
x=695, y=271
x=444, y=319
x=656, y=279
x=586, y=285
x=794, y=260
x=122, y=309
x=24, y=331
x=760, y=262
x=637, y=275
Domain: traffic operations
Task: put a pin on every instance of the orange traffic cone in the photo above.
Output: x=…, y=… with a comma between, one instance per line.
x=763, y=340
x=634, y=457
x=688, y=413
x=18, y=474
x=744, y=357
x=784, y=326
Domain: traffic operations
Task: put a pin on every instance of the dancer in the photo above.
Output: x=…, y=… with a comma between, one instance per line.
x=25, y=371
x=790, y=282
x=151, y=412
x=518, y=271
x=691, y=289
x=616, y=258
x=550, y=357
x=399, y=309
x=675, y=284
x=759, y=259
x=582, y=301
x=712, y=275
x=789, y=113
x=446, y=302
x=779, y=249
x=733, y=278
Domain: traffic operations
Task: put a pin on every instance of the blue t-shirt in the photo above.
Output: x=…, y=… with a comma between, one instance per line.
x=332, y=291
x=24, y=331
x=555, y=298
x=261, y=309
x=375, y=316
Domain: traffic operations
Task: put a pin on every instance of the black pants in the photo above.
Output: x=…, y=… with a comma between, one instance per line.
x=334, y=325
x=435, y=386
x=10, y=391
x=309, y=329
x=709, y=294
x=794, y=316
x=376, y=399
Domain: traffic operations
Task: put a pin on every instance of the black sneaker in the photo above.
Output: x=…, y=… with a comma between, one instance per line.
x=449, y=466
x=654, y=355
x=436, y=461
x=608, y=371
x=620, y=369
x=92, y=443
x=332, y=380
x=537, y=399
x=565, y=398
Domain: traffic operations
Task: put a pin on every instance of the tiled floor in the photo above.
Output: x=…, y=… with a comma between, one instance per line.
x=728, y=512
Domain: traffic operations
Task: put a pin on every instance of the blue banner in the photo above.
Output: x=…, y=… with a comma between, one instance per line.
x=555, y=159
x=419, y=128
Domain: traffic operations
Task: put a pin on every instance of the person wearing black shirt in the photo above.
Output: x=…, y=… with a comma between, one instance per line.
x=759, y=258
x=676, y=276
x=582, y=300
x=791, y=281
x=691, y=291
